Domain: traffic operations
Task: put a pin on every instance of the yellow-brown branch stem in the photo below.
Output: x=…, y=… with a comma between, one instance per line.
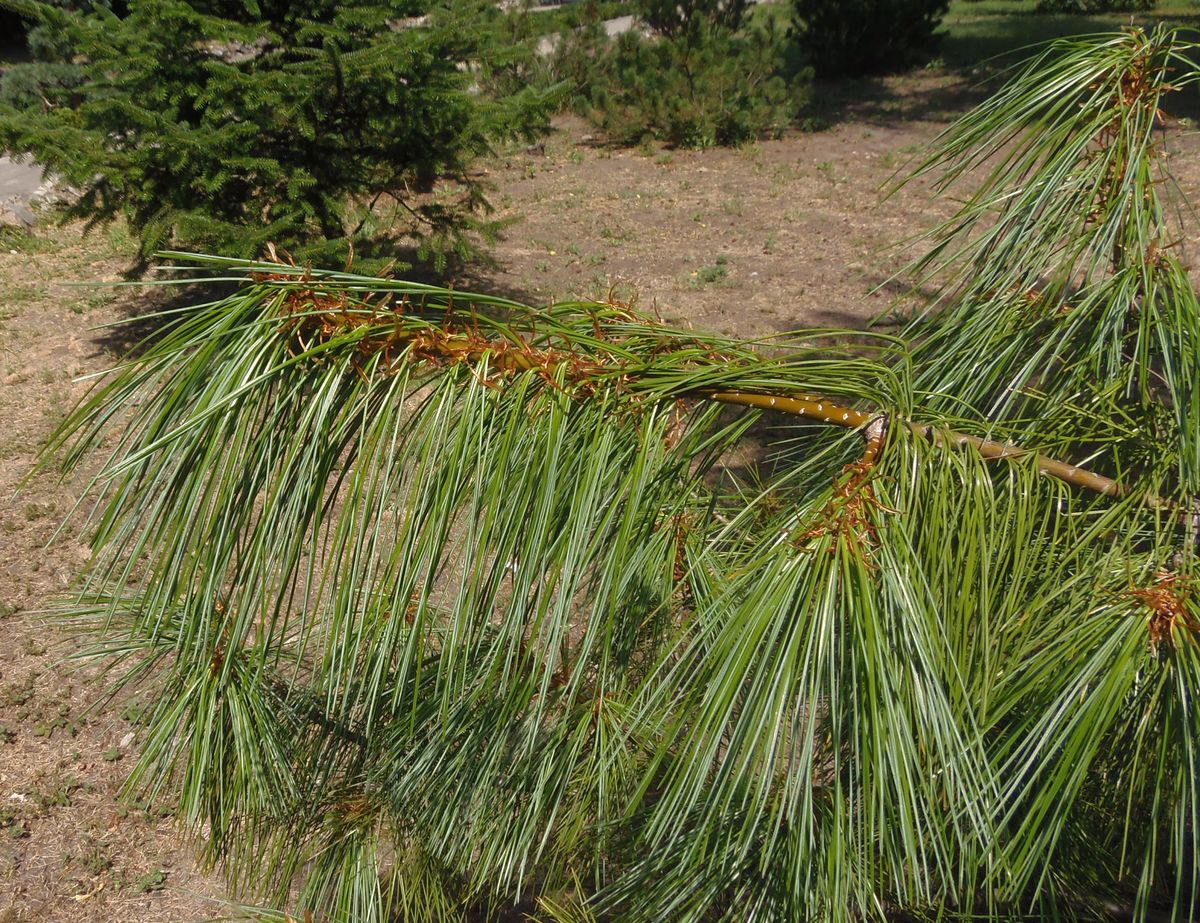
x=815, y=408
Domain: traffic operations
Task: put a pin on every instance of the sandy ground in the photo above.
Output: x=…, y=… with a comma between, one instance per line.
x=784, y=234
x=70, y=848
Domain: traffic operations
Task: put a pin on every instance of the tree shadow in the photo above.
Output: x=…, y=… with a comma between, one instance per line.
x=491, y=281
x=990, y=45
x=998, y=42
x=147, y=312
x=480, y=274
x=877, y=101
x=976, y=55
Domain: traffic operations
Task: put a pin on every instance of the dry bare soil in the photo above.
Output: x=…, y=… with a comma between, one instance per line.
x=780, y=235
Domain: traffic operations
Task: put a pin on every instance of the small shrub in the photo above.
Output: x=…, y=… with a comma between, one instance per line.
x=707, y=86
x=673, y=17
x=853, y=37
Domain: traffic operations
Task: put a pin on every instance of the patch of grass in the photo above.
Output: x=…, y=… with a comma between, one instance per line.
x=93, y=862
x=155, y=880
x=92, y=302
x=14, y=694
x=48, y=727
x=618, y=235
x=136, y=713
x=57, y=797
x=20, y=240
x=1000, y=31
x=48, y=715
x=119, y=242
x=13, y=824
x=21, y=294
x=35, y=511
x=146, y=807
x=604, y=289
x=711, y=275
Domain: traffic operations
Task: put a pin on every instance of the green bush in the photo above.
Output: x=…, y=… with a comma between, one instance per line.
x=51, y=75
x=1094, y=6
x=854, y=37
x=706, y=86
x=229, y=126
x=674, y=17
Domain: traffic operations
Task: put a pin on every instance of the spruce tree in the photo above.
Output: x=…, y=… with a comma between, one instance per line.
x=234, y=124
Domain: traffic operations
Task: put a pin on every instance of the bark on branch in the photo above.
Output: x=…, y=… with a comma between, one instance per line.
x=814, y=408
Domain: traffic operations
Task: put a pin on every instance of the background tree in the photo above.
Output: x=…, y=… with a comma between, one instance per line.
x=448, y=602
x=673, y=17
x=855, y=37
x=706, y=75
x=227, y=125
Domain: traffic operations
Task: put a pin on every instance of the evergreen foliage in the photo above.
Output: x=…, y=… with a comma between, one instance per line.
x=855, y=37
x=230, y=125
x=699, y=85
x=446, y=603
x=674, y=17
x=51, y=75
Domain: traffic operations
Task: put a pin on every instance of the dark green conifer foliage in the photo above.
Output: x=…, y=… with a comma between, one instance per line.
x=50, y=76
x=705, y=87
x=674, y=17
x=704, y=76
x=852, y=37
x=230, y=125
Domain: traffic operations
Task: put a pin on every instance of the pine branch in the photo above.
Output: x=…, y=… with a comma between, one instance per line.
x=317, y=315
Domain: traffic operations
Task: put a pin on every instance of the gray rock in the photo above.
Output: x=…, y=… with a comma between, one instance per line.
x=17, y=213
